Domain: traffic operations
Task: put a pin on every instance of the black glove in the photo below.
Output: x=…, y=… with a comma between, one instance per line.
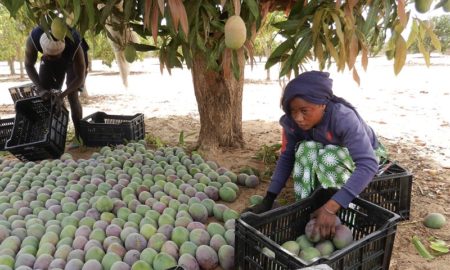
x=265, y=205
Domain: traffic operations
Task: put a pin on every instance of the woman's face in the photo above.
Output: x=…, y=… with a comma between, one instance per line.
x=305, y=114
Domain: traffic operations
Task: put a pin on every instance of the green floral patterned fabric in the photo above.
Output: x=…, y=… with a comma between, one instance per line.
x=329, y=166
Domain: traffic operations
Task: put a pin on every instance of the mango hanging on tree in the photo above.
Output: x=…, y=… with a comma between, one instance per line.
x=235, y=32
x=423, y=6
x=59, y=28
x=130, y=53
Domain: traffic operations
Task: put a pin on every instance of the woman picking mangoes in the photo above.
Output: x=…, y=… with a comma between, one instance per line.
x=325, y=143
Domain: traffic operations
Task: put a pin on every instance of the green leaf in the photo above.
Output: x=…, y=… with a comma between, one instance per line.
x=139, y=29
x=211, y=10
x=90, y=10
x=317, y=24
x=128, y=8
x=106, y=11
x=69, y=35
x=76, y=11
x=286, y=67
x=187, y=55
x=440, y=4
x=390, y=45
x=372, y=17
x=235, y=65
x=144, y=47
x=181, y=139
x=83, y=25
x=421, y=248
x=303, y=11
x=205, y=21
x=424, y=52
x=339, y=32
x=253, y=6
x=219, y=26
x=331, y=48
x=282, y=49
x=212, y=58
x=304, y=46
x=387, y=12
x=44, y=23
x=439, y=247
x=192, y=39
x=400, y=55
x=192, y=9
x=212, y=61
x=434, y=39
x=61, y=3
x=172, y=55
x=288, y=25
x=412, y=34
x=200, y=43
x=30, y=14
x=13, y=6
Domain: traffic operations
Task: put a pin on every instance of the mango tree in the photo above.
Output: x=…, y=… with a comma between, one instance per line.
x=266, y=39
x=13, y=36
x=194, y=33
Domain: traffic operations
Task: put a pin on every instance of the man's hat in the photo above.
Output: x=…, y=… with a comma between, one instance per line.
x=51, y=46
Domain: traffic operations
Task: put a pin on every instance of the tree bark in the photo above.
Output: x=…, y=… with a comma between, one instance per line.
x=22, y=69
x=219, y=102
x=267, y=51
x=11, y=67
x=20, y=57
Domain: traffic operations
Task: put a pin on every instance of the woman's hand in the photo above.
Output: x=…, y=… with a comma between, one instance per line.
x=326, y=219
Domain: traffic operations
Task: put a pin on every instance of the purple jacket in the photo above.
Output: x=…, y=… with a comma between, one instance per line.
x=340, y=126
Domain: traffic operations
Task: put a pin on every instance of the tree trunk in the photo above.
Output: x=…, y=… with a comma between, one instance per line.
x=11, y=67
x=267, y=51
x=22, y=69
x=89, y=64
x=219, y=102
x=20, y=57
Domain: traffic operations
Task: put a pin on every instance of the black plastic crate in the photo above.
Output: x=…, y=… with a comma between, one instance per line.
x=6, y=127
x=100, y=129
x=391, y=189
x=38, y=132
x=373, y=230
x=23, y=92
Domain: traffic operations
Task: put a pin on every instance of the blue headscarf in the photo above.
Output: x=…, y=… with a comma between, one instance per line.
x=313, y=86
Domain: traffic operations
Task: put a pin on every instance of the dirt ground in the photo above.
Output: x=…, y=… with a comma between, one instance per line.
x=425, y=157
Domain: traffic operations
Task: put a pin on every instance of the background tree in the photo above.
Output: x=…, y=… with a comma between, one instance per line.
x=337, y=32
x=192, y=32
x=441, y=27
x=99, y=48
x=13, y=33
x=442, y=30
x=265, y=40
